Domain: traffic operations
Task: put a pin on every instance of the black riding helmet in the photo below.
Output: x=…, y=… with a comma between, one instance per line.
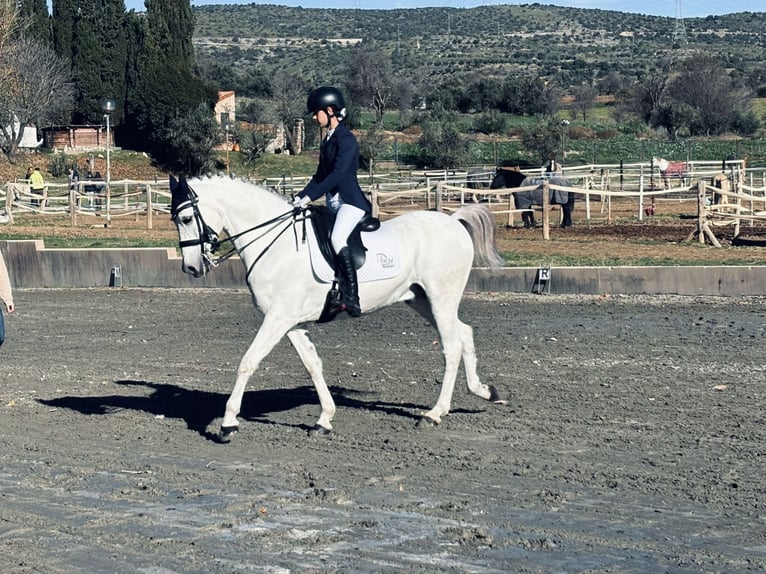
x=325, y=97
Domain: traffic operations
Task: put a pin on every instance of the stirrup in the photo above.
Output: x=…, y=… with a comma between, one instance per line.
x=333, y=304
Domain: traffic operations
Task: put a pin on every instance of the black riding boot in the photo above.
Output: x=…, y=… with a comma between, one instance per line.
x=349, y=287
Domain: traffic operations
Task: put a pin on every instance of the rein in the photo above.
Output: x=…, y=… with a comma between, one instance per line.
x=209, y=241
x=288, y=216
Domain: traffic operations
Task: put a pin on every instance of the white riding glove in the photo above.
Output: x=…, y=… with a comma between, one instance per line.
x=301, y=202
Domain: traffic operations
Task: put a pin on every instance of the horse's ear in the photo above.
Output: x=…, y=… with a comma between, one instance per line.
x=179, y=193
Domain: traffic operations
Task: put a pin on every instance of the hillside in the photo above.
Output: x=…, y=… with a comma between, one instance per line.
x=432, y=44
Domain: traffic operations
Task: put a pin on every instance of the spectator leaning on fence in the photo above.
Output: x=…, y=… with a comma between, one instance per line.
x=37, y=185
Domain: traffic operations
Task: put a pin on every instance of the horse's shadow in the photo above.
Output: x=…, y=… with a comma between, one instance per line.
x=198, y=409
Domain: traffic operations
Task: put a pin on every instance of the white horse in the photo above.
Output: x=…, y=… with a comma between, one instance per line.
x=435, y=258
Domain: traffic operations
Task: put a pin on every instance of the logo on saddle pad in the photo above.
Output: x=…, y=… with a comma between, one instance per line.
x=382, y=260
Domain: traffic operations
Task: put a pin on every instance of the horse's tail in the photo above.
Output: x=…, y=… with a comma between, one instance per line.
x=480, y=224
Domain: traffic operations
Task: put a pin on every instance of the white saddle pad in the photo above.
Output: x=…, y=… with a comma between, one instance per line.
x=383, y=260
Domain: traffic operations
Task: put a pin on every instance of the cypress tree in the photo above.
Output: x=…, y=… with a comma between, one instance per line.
x=166, y=86
x=35, y=13
x=98, y=50
x=64, y=12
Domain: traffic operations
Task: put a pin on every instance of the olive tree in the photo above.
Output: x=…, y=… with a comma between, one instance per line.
x=441, y=143
x=371, y=83
x=543, y=139
x=191, y=140
x=704, y=85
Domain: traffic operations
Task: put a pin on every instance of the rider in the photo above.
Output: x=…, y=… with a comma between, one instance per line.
x=335, y=178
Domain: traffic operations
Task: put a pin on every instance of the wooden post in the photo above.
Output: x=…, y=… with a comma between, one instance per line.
x=701, y=214
x=608, y=208
x=703, y=227
x=375, y=193
x=511, y=207
x=752, y=201
x=546, y=210
x=439, y=185
x=9, y=192
x=428, y=193
x=149, y=210
x=739, y=211
x=73, y=207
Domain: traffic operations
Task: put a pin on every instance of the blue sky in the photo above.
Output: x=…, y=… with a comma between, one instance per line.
x=689, y=8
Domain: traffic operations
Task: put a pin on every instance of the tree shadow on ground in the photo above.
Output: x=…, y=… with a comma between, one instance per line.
x=198, y=409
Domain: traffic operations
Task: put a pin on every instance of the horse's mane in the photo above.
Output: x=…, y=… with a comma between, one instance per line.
x=234, y=184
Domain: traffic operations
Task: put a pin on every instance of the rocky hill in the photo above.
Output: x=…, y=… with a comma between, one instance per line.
x=433, y=44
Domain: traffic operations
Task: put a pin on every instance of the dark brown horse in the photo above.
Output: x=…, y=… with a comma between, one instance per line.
x=509, y=177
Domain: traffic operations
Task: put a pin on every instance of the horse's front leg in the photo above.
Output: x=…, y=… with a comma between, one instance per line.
x=308, y=354
x=272, y=330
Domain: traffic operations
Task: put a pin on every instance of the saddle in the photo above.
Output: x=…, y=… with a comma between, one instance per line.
x=322, y=220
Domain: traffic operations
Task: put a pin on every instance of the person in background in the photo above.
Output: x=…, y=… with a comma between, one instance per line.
x=37, y=185
x=6, y=294
x=91, y=189
x=73, y=176
x=100, y=190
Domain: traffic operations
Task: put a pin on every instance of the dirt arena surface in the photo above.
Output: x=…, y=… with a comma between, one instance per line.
x=633, y=440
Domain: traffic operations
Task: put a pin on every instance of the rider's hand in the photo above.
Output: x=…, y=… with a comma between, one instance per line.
x=301, y=202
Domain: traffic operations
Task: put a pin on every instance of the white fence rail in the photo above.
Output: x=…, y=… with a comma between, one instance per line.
x=729, y=195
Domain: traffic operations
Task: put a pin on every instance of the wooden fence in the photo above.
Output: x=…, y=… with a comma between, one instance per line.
x=89, y=199
x=599, y=188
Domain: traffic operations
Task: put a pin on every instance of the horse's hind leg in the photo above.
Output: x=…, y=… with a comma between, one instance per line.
x=457, y=342
x=475, y=385
x=308, y=354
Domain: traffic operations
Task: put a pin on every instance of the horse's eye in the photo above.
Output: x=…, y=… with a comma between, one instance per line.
x=186, y=220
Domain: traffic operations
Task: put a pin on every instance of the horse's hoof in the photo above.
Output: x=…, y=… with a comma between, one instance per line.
x=319, y=430
x=427, y=422
x=494, y=396
x=226, y=433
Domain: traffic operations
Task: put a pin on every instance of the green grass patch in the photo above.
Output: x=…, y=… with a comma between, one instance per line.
x=54, y=242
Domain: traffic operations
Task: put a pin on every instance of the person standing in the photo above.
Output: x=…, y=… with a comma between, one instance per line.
x=6, y=294
x=73, y=177
x=37, y=185
x=336, y=179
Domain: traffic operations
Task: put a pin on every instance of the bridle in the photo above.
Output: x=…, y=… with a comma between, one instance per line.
x=209, y=241
x=207, y=238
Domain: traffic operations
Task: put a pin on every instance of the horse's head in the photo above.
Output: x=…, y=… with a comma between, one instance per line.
x=507, y=177
x=661, y=163
x=197, y=238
